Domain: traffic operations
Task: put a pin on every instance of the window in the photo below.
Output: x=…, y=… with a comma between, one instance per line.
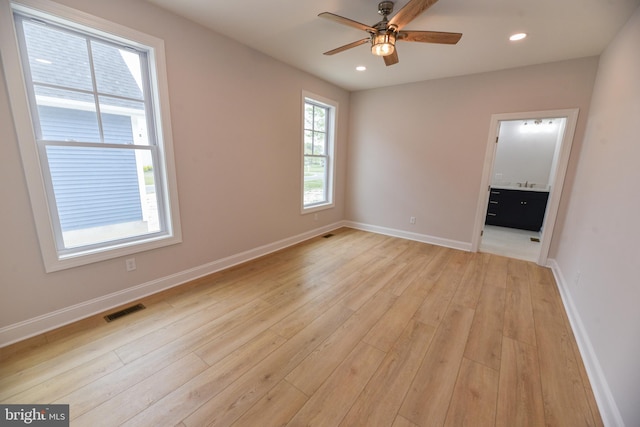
x=318, y=149
x=96, y=155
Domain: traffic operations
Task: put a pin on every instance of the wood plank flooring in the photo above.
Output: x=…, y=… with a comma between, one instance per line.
x=358, y=329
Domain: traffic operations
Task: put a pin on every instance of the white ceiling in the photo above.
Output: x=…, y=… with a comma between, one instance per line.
x=290, y=31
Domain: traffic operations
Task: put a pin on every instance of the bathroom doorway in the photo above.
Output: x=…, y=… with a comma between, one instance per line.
x=525, y=164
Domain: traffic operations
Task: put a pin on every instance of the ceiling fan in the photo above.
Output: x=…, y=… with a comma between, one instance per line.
x=384, y=34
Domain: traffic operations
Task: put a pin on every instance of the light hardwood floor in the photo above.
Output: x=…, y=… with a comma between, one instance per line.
x=358, y=329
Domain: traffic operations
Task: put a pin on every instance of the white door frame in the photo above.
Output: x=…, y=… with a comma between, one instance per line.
x=560, y=171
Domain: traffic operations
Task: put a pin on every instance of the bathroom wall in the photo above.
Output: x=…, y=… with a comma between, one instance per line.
x=526, y=151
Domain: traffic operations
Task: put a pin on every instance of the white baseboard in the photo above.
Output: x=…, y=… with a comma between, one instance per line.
x=609, y=411
x=438, y=241
x=38, y=325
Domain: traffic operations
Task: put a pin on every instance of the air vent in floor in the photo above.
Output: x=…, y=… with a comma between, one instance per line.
x=118, y=314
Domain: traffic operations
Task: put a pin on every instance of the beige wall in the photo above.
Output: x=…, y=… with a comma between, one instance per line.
x=418, y=149
x=598, y=256
x=236, y=117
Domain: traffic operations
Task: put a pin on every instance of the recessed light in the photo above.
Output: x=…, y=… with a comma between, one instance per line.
x=517, y=36
x=43, y=61
x=361, y=68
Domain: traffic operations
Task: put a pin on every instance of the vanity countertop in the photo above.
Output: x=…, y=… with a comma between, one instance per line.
x=515, y=187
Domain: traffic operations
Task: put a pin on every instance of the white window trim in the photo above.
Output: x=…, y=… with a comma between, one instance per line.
x=332, y=133
x=28, y=148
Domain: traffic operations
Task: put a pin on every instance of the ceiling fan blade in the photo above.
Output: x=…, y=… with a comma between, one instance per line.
x=391, y=59
x=347, y=46
x=410, y=11
x=429, y=37
x=346, y=21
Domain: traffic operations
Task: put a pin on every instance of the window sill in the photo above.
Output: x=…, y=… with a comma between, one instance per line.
x=63, y=262
x=316, y=208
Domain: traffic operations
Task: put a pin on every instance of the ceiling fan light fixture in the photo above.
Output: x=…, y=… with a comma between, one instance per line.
x=384, y=34
x=383, y=43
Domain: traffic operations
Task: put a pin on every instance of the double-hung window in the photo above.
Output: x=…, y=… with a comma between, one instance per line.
x=97, y=154
x=318, y=152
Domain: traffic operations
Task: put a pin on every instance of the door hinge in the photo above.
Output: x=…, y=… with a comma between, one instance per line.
x=482, y=233
x=497, y=139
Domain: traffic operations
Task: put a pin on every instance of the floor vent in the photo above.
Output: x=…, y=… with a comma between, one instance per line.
x=534, y=239
x=118, y=314
x=326, y=236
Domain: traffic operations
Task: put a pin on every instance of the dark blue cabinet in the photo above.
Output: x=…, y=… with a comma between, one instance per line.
x=521, y=209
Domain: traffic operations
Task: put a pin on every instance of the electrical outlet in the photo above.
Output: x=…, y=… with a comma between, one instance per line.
x=412, y=220
x=130, y=264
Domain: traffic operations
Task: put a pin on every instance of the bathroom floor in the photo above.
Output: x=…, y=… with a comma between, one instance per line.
x=510, y=242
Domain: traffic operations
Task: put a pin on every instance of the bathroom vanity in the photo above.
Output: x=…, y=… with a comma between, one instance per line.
x=517, y=207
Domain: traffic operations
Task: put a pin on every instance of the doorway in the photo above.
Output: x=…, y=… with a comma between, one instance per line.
x=525, y=164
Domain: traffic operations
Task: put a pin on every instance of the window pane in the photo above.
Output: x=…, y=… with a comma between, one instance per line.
x=315, y=180
x=123, y=121
x=319, y=119
x=57, y=57
x=117, y=70
x=319, y=139
x=102, y=194
x=308, y=116
x=66, y=115
x=308, y=142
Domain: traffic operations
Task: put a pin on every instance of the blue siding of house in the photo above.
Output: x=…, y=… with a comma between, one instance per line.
x=94, y=186
x=65, y=124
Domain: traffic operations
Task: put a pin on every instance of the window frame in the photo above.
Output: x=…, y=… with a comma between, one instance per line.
x=34, y=164
x=331, y=126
